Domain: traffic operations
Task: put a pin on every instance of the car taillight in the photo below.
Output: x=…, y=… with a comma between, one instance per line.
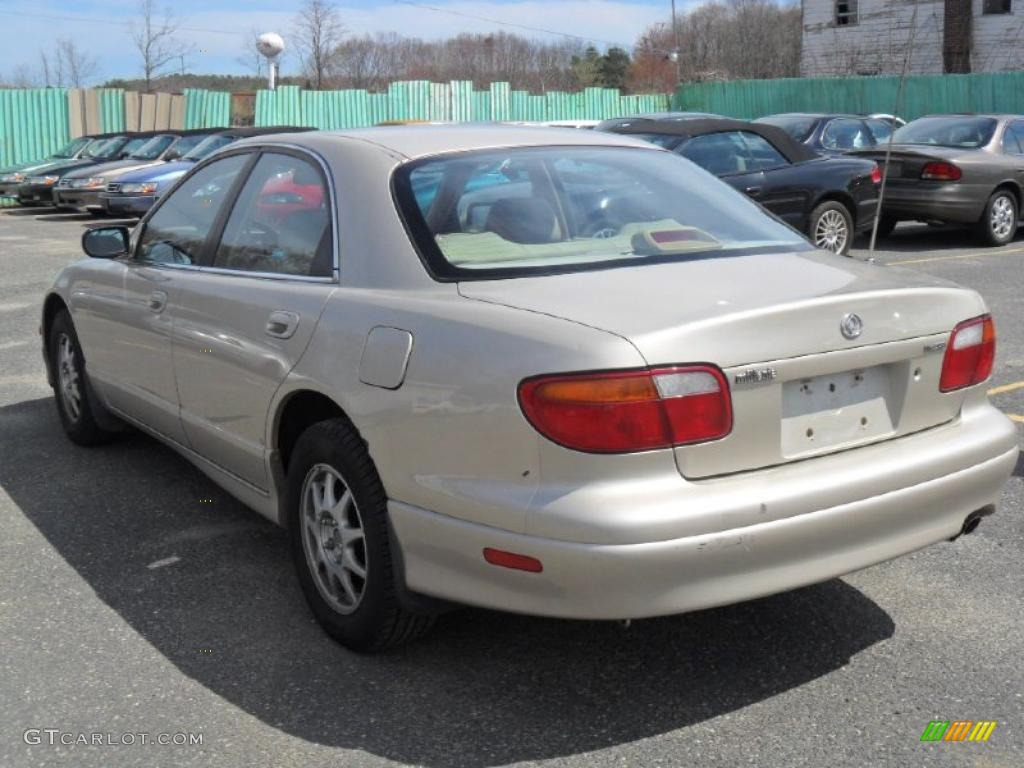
x=876, y=174
x=626, y=411
x=941, y=172
x=969, y=354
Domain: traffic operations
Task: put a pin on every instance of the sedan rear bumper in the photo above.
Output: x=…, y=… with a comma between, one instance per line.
x=955, y=202
x=443, y=557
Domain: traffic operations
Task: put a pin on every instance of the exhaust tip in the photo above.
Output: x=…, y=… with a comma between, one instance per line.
x=973, y=520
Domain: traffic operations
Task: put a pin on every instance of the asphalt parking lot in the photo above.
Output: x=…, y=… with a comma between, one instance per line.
x=129, y=604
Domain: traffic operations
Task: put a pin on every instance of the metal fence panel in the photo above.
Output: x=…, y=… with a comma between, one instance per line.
x=922, y=95
x=455, y=101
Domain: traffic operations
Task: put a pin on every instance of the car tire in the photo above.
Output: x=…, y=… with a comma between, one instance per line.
x=332, y=542
x=998, y=224
x=81, y=414
x=831, y=227
x=886, y=225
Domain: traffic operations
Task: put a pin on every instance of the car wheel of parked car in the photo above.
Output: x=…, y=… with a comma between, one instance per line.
x=998, y=224
x=337, y=519
x=886, y=226
x=832, y=227
x=76, y=404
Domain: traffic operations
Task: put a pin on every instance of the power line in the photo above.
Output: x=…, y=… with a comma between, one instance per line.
x=516, y=25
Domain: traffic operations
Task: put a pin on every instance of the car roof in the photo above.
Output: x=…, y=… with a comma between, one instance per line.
x=993, y=115
x=413, y=141
x=812, y=115
x=247, y=131
x=793, y=150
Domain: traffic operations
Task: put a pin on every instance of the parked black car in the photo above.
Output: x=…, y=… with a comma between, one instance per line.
x=956, y=169
x=14, y=175
x=37, y=189
x=831, y=134
x=830, y=199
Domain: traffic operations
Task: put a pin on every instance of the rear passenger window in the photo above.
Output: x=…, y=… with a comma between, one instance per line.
x=176, y=232
x=718, y=153
x=1013, y=139
x=280, y=223
x=880, y=129
x=844, y=133
x=763, y=154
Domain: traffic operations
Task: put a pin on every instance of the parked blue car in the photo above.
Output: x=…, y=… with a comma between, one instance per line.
x=134, y=193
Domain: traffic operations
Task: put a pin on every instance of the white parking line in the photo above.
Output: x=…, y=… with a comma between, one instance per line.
x=974, y=255
x=14, y=306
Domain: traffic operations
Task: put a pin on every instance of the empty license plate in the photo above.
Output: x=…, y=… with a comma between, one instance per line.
x=835, y=411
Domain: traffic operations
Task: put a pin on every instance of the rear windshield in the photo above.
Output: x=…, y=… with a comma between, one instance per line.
x=970, y=132
x=206, y=146
x=534, y=210
x=797, y=127
x=660, y=139
x=151, y=149
x=72, y=147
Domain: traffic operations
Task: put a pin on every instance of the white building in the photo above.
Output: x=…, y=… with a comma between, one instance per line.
x=873, y=37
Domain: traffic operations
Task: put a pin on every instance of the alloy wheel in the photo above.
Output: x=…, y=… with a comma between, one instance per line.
x=831, y=231
x=333, y=538
x=1002, y=217
x=68, y=377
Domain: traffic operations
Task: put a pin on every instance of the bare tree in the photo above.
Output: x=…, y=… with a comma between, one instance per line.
x=251, y=58
x=154, y=39
x=317, y=31
x=74, y=65
x=23, y=77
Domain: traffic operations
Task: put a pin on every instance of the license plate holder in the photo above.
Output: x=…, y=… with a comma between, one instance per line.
x=837, y=410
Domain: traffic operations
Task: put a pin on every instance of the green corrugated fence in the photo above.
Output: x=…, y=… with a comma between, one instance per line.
x=456, y=101
x=922, y=95
x=33, y=123
x=207, y=109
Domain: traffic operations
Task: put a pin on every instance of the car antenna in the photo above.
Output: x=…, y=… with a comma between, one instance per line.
x=896, y=112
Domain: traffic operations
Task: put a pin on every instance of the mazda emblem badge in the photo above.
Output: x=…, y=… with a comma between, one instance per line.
x=851, y=325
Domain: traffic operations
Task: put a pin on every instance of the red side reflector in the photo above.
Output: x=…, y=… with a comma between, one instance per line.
x=512, y=560
x=941, y=172
x=876, y=174
x=969, y=354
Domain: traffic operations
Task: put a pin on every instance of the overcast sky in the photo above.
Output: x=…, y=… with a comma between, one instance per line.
x=215, y=28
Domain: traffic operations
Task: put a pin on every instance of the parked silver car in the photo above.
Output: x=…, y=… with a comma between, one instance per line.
x=552, y=372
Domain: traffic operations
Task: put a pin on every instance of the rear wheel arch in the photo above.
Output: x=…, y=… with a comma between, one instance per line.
x=298, y=412
x=1013, y=187
x=833, y=196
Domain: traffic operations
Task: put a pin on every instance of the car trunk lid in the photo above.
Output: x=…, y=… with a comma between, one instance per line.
x=907, y=161
x=772, y=322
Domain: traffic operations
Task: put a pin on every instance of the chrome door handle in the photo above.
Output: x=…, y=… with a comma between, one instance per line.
x=157, y=301
x=281, y=324
x=753, y=191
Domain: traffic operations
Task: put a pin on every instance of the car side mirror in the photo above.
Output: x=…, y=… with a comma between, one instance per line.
x=172, y=154
x=106, y=242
